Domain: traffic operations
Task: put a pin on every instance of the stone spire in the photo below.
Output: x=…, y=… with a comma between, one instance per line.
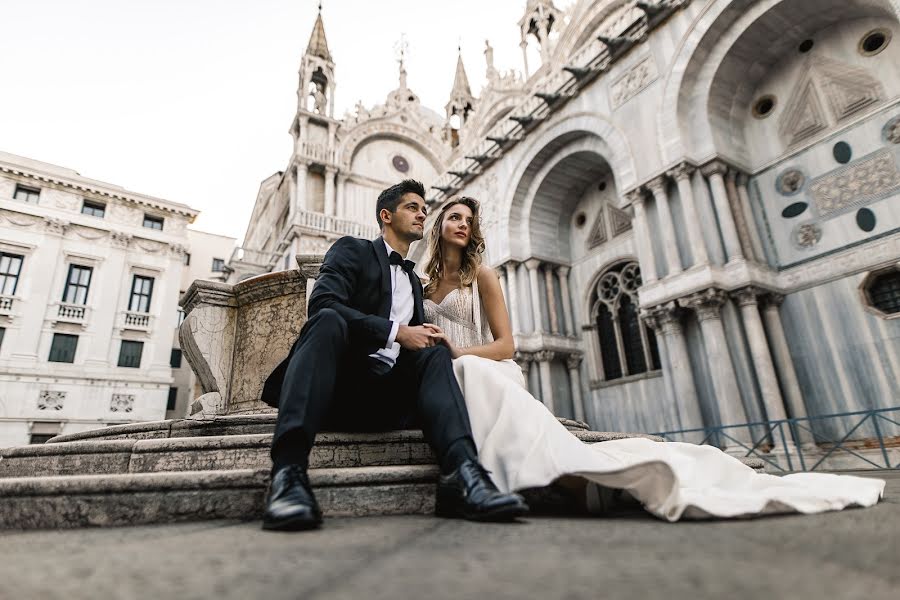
x=460, y=81
x=318, y=45
x=462, y=102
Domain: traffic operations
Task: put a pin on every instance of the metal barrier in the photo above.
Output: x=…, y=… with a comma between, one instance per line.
x=796, y=445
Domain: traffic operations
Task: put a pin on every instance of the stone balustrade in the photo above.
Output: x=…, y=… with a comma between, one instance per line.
x=234, y=335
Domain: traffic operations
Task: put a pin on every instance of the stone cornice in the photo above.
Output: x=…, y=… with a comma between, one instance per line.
x=255, y=289
x=98, y=190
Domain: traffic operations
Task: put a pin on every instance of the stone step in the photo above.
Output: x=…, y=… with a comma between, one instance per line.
x=224, y=452
x=147, y=498
x=216, y=426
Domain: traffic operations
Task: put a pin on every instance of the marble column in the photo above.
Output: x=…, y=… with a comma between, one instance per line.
x=340, y=196
x=737, y=211
x=513, y=297
x=300, y=170
x=524, y=360
x=504, y=288
x=544, y=357
x=670, y=246
x=667, y=322
x=563, y=273
x=715, y=172
x=524, y=45
x=745, y=204
x=534, y=286
x=573, y=362
x=781, y=353
x=708, y=305
x=292, y=193
x=642, y=236
x=329, y=190
x=682, y=176
x=551, y=299
x=759, y=352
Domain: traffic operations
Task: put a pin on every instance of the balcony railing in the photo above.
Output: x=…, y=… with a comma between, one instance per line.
x=71, y=313
x=252, y=257
x=6, y=304
x=136, y=320
x=328, y=224
x=317, y=152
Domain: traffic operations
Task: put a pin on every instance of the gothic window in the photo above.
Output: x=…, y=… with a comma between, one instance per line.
x=627, y=346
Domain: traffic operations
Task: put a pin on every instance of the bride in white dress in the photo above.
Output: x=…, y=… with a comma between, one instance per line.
x=524, y=446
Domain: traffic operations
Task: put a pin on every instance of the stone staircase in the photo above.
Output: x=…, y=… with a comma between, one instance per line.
x=185, y=470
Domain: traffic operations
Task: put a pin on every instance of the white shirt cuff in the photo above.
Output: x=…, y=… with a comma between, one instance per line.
x=393, y=336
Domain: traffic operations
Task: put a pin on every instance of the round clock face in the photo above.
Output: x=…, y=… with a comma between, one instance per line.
x=400, y=163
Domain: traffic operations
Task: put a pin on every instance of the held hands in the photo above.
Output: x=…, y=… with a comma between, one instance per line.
x=417, y=337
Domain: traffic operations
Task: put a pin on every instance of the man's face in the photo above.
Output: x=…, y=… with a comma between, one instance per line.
x=408, y=221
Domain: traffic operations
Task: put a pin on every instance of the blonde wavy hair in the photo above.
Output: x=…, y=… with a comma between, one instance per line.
x=471, y=259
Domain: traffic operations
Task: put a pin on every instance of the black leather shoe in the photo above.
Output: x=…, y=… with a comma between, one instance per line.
x=469, y=493
x=291, y=505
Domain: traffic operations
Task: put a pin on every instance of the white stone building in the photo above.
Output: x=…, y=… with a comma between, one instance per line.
x=337, y=168
x=694, y=206
x=90, y=276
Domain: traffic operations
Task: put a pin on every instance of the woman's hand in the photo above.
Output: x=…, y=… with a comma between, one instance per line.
x=440, y=337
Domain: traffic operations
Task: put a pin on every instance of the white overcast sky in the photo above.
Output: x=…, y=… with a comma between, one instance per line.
x=191, y=100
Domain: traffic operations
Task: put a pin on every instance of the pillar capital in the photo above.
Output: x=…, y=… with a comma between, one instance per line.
x=635, y=196
x=523, y=357
x=563, y=270
x=544, y=355
x=714, y=167
x=532, y=264
x=664, y=318
x=657, y=186
x=681, y=172
x=773, y=300
x=706, y=303
x=747, y=296
x=573, y=361
x=330, y=170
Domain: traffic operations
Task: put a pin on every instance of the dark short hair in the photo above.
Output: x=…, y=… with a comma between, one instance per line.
x=390, y=197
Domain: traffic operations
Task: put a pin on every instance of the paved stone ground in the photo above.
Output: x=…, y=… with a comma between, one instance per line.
x=843, y=556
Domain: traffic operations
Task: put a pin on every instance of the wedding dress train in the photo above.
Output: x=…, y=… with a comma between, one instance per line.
x=525, y=446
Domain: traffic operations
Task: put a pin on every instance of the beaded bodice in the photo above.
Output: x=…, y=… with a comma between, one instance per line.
x=461, y=316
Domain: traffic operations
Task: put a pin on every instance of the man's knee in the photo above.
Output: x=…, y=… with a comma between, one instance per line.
x=438, y=353
x=328, y=323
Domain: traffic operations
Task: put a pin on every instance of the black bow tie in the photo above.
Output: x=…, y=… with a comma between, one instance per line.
x=406, y=265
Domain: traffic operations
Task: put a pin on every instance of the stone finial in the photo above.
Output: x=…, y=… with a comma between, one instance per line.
x=706, y=304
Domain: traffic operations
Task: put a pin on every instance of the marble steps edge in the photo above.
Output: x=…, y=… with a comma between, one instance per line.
x=230, y=452
x=150, y=498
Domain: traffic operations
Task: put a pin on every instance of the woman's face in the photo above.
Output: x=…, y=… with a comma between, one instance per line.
x=456, y=230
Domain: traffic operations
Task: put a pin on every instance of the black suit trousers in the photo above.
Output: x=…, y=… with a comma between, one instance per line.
x=327, y=386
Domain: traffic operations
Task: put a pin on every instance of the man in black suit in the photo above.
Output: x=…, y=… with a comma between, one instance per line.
x=366, y=361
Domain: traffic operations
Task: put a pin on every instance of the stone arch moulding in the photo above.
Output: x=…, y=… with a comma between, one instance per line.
x=585, y=25
x=616, y=152
x=704, y=45
x=590, y=144
x=395, y=131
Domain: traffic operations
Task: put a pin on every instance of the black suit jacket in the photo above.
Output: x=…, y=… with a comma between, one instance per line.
x=355, y=281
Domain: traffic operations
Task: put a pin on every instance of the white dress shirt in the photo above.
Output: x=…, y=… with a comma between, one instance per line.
x=402, y=305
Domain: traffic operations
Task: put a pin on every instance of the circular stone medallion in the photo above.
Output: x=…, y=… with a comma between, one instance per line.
x=400, y=163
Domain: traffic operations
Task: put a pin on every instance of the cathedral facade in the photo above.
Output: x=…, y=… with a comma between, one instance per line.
x=693, y=206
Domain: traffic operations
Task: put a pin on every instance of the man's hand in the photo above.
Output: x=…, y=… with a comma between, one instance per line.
x=438, y=335
x=415, y=337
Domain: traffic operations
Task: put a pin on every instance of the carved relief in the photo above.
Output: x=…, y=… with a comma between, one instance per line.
x=89, y=233
x=892, y=131
x=121, y=403
x=54, y=225
x=631, y=83
x=598, y=231
x=808, y=235
x=119, y=239
x=65, y=201
x=871, y=178
x=20, y=220
x=48, y=400
x=619, y=219
x=119, y=213
x=826, y=86
x=790, y=182
x=804, y=115
x=149, y=245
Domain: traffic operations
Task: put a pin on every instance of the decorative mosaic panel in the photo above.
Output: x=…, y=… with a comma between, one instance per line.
x=864, y=181
x=122, y=403
x=48, y=400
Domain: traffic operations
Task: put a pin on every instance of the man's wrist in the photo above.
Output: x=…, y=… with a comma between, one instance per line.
x=392, y=337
